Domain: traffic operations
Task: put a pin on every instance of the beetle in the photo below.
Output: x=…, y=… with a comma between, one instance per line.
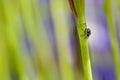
x=87, y=32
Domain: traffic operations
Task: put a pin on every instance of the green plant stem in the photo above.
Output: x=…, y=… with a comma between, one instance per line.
x=58, y=9
x=84, y=52
x=81, y=26
x=11, y=38
x=114, y=42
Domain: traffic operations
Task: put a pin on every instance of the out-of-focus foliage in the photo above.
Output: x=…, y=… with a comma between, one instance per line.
x=39, y=40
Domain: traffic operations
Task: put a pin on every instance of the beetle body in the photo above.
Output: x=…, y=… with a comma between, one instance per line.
x=87, y=32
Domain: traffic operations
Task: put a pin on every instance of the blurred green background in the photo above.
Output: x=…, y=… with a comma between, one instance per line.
x=39, y=40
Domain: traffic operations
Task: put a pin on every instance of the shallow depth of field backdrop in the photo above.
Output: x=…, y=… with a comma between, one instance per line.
x=41, y=40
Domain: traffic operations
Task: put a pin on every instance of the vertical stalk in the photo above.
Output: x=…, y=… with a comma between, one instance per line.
x=4, y=67
x=32, y=13
x=114, y=42
x=58, y=10
x=9, y=13
x=81, y=26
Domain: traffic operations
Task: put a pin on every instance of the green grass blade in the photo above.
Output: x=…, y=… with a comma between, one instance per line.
x=61, y=28
x=113, y=36
x=81, y=26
